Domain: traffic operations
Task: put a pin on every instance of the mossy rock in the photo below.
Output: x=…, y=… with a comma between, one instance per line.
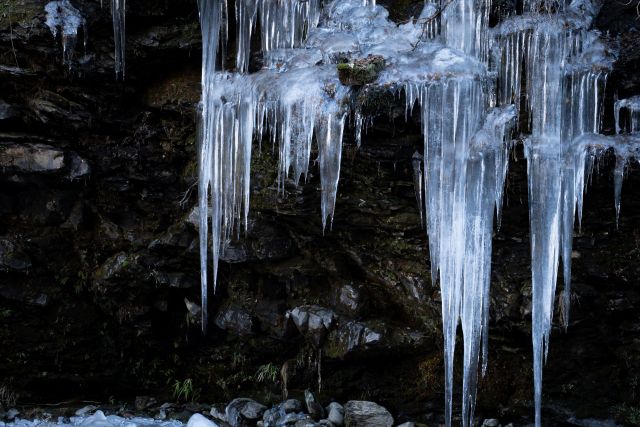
x=361, y=71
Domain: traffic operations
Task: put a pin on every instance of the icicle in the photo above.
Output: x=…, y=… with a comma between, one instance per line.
x=284, y=25
x=465, y=26
x=462, y=173
x=564, y=80
x=246, y=11
x=209, y=187
x=632, y=106
x=618, y=176
x=64, y=18
x=330, y=141
x=118, y=13
x=418, y=183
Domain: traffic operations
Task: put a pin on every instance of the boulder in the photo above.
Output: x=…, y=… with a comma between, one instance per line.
x=234, y=319
x=314, y=407
x=313, y=322
x=336, y=413
x=244, y=412
x=31, y=158
x=360, y=413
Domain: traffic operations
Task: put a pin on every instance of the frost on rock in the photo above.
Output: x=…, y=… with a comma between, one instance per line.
x=98, y=419
x=118, y=13
x=64, y=19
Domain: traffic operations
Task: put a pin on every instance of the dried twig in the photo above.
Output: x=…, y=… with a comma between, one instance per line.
x=426, y=21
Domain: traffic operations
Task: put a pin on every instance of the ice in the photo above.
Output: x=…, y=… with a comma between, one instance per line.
x=464, y=172
x=564, y=69
x=118, y=13
x=283, y=24
x=99, y=419
x=418, y=183
x=464, y=26
x=209, y=180
x=631, y=120
x=471, y=84
x=198, y=420
x=626, y=148
x=63, y=18
x=295, y=99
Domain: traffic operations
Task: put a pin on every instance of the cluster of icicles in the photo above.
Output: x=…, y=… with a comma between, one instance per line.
x=440, y=61
x=470, y=81
x=64, y=19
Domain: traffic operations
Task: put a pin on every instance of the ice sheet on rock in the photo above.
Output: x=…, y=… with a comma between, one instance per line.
x=64, y=19
x=630, y=121
x=429, y=63
x=98, y=419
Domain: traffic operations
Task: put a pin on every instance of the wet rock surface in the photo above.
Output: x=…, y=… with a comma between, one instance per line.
x=358, y=413
x=99, y=248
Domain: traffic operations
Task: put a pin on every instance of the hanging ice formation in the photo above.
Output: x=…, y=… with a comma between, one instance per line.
x=627, y=117
x=564, y=70
x=63, y=18
x=631, y=119
x=118, y=14
x=441, y=63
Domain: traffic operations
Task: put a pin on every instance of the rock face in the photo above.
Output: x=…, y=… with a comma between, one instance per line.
x=99, y=248
x=359, y=413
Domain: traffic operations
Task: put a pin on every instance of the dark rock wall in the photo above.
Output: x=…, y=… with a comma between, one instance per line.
x=99, y=276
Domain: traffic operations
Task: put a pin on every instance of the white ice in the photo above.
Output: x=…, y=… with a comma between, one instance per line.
x=440, y=62
x=631, y=118
x=99, y=419
x=63, y=18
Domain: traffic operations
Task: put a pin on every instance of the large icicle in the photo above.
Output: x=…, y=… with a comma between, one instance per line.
x=464, y=172
x=564, y=83
x=209, y=179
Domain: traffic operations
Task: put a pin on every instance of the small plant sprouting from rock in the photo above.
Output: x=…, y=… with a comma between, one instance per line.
x=6, y=7
x=8, y=397
x=627, y=414
x=185, y=391
x=267, y=373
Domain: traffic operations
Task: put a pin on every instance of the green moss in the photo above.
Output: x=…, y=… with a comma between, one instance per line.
x=361, y=71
